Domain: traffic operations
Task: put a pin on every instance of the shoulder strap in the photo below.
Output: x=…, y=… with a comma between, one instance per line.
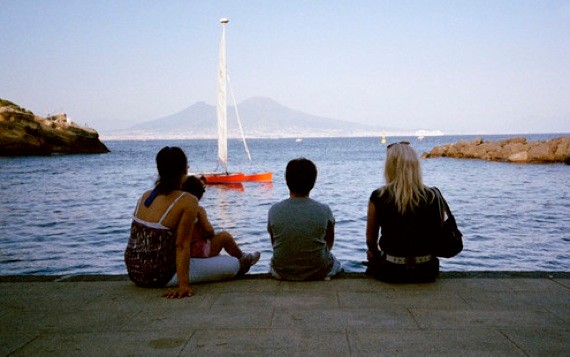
x=441, y=207
x=170, y=207
x=151, y=197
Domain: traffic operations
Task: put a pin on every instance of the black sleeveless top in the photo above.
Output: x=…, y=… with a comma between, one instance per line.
x=410, y=234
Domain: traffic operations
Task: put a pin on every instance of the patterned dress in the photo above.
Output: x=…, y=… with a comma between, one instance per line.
x=150, y=255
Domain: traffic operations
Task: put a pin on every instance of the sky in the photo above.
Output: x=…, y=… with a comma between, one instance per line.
x=461, y=66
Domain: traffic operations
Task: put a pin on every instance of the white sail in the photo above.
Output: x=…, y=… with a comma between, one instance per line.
x=222, y=102
x=222, y=114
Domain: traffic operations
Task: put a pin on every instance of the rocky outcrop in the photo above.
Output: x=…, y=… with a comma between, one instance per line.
x=23, y=133
x=509, y=150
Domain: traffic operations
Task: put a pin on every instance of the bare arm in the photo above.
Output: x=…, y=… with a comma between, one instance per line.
x=329, y=237
x=204, y=223
x=372, y=228
x=183, y=240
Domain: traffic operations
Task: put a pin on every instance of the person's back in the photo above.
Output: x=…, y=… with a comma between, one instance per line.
x=163, y=217
x=299, y=226
x=408, y=234
x=301, y=229
x=151, y=252
x=402, y=221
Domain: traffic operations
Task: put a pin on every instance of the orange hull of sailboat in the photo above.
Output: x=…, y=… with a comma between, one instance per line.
x=238, y=178
x=224, y=178
x=260, y=177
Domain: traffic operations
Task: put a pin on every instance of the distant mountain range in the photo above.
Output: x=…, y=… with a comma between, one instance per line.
x=260, y=117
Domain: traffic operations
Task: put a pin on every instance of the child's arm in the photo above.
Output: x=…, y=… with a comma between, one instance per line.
x=204, y=223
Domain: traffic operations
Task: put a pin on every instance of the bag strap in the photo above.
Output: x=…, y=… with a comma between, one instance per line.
x=442, y=203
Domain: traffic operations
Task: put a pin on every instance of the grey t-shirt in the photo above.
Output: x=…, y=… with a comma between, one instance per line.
x=299, y=227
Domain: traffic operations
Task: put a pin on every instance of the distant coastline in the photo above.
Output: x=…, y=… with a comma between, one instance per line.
x=400, y=134
x=260, y=117
x=264, y=118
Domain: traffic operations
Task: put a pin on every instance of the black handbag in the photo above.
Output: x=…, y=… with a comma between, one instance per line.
x=449, y=240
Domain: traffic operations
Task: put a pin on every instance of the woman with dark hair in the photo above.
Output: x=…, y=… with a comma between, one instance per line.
x=161, y=230
x=407, y=213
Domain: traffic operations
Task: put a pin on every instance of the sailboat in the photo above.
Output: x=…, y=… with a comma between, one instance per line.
x=225, y=177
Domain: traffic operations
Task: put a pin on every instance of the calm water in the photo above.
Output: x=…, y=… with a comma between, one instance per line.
x=71, y=214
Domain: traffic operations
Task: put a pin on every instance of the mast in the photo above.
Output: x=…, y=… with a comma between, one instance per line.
x=222, y=101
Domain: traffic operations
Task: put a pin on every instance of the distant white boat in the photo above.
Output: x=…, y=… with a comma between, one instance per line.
x=421, y=134
x=298, y=140
x=383, y=137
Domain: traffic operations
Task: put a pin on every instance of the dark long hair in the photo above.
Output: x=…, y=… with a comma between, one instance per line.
x=172, y=165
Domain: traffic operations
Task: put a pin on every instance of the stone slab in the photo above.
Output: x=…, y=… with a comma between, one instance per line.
x=478, y=314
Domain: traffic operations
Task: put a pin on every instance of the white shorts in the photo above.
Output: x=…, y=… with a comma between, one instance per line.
x=221, y=267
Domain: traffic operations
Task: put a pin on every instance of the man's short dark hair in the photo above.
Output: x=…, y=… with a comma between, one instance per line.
x=300, y=176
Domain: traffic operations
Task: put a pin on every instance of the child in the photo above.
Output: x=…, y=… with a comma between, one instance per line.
x=302, y=229
x=206, y=242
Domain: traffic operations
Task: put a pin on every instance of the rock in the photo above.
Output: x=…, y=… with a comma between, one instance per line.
x=510, y=150
x=477, y=141
x=517, y=140
x=562, y=152
x=542, y=152
x=23, y=133
x=519, y=157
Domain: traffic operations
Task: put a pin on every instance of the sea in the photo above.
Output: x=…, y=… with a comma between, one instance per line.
x=71, y=214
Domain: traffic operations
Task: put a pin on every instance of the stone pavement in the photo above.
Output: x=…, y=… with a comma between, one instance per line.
x=516, y=314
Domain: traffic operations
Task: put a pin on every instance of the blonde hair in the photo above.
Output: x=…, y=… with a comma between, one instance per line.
x=404, y=178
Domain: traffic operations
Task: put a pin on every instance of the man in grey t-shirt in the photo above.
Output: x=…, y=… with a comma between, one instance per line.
x=302, y=229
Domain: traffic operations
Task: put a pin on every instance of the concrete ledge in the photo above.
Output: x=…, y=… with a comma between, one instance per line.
x=443, y=275
x=463, y=313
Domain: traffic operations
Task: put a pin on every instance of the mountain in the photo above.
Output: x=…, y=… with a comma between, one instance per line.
x=198, y=120
x=260, y=117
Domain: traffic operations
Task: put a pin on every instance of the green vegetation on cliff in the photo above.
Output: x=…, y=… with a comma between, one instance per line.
x=9, y=104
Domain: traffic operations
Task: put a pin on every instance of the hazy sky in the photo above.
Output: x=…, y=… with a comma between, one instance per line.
x=459, y=66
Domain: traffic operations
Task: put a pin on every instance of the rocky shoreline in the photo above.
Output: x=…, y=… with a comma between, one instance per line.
x=22, y=133
x=516, y=150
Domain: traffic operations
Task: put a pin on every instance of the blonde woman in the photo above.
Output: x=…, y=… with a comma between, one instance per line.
x=403, y=218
